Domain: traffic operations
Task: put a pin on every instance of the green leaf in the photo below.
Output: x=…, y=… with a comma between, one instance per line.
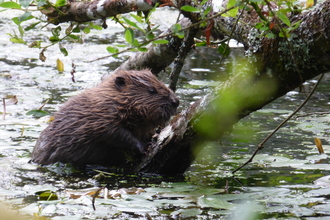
x=203, y=2
x=284, y=18
x=38, y=113
x=60, y=3
x=10, y=5
x=233, y=12
x=64, y=51
x=96, y=27
x=74, y=37
x=25, y=3
x=41, y=3
x=150, y=35
x=31, y=26
x=189, y=8
x=143, y=49
x=270, y=35
x=17, y=40
x=54, y=39
x=176, y=28
x=201, y=44
x=161, y=41
x=21, y=31
x=26, y=16
x=207, y=11
x=137, y=18
x=46, y=195
x=129, y=35
x=136, y=43
x=76, y=30
x=259, y=25
x=16, y=20
x=56, y=31
x=87, y=30
x=223, y=49
x=131, y=23
x=112, y=50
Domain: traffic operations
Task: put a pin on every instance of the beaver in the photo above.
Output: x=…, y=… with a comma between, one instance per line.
x=105, y=124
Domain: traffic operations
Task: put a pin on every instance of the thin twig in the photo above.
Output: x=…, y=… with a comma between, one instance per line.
x=261, y=145
x=232, y=32
x=43, y=104
x=94, y=197
x=287, y=41
x=165, y=35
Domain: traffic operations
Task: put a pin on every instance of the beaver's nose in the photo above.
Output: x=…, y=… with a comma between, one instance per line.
x=175, y=102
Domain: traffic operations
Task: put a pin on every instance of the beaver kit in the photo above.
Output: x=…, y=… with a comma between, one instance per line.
x=108, y=125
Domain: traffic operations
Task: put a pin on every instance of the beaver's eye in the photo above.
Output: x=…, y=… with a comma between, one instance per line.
x=152, y=90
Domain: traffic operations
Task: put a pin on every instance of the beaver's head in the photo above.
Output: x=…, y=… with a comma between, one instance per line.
x=144, y=96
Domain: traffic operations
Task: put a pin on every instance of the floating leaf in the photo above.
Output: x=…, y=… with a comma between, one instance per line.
x=46, y=195
x=12, y=101
x=214, y=201
x=189, y=8
x=59, y=65
x=38, y=113
x=10, y=5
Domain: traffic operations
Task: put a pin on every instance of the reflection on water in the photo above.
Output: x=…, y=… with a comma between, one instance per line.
x=285, y=169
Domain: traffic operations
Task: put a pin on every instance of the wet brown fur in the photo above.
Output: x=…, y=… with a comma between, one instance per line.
x=104, y=124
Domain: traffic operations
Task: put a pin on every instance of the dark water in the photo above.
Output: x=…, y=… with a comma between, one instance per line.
x=277, y=184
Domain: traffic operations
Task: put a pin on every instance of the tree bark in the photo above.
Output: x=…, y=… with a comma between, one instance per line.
x=92, y=10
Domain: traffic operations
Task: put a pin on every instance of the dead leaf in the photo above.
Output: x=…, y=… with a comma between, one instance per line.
x=59, y=65
x=12, y=101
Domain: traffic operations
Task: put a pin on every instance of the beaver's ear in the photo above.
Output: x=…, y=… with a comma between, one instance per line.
x=120, y=83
